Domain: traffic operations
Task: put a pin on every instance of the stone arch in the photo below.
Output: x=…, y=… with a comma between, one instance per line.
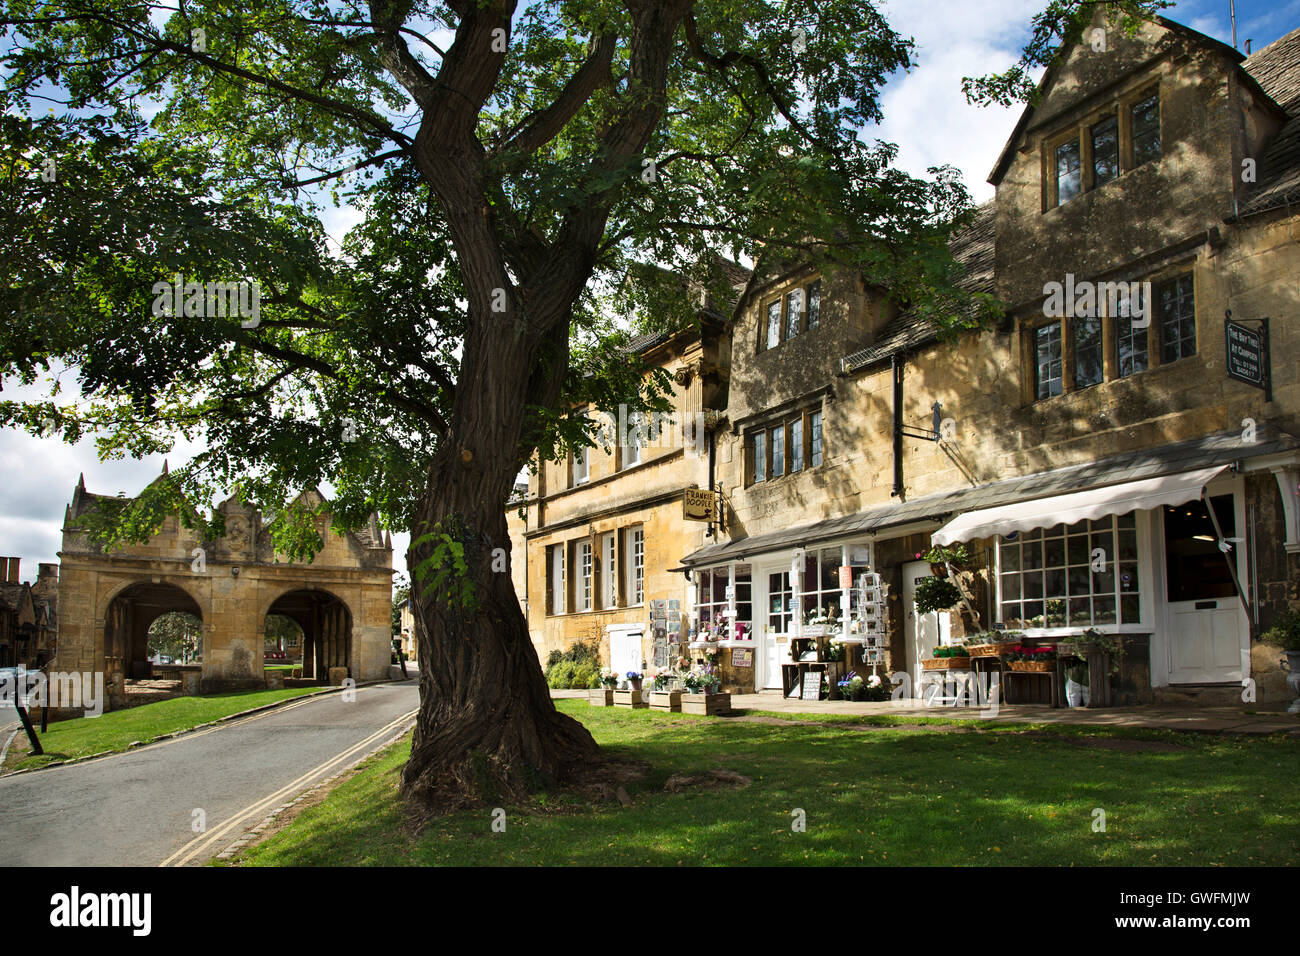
x=127, y=614
x=327, y=625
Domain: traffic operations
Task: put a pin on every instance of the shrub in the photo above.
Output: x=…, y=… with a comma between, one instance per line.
x=936, y=594
x=1285, y=632
x=577, y=667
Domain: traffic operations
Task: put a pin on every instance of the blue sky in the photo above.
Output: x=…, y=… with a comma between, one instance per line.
x=925, y=115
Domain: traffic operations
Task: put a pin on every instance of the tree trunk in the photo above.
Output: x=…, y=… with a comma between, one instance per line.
x=487, y=729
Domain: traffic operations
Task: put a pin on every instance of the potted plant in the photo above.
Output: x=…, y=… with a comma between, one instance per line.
x=702, y=694
x=940, y=558
x=852, y=687
x=1026, y=658
x=609, y=678
x=834, y=650
x=634, y=679
x=665, y=695
x=953, y=657
x=936, y=594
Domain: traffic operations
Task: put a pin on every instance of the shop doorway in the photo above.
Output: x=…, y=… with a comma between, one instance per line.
x=1208, y=632
x=777, y=622
x=922, y=632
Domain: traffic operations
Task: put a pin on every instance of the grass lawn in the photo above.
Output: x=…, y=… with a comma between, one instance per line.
x=117, y=729
x=921, y=796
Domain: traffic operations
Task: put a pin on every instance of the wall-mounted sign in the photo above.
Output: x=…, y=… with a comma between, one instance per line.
x=742, y=657
x=1247, y=352
x=846, y=577
x=699, y=504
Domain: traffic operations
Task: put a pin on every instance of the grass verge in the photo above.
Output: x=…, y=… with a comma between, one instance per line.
x=890, y=796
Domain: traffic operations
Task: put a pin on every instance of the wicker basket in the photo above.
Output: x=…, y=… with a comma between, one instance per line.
x=946, y=663
x=992, y=650
x=1042, y=667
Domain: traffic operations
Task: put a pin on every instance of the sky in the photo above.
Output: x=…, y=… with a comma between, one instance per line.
x=925, y=115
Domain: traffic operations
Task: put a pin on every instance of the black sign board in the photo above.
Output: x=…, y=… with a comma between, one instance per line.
x=1247, y=355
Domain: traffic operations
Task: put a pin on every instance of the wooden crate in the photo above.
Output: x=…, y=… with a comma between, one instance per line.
x=706, y=704
x=669, y=700
x=600, y=698
x=630, y=698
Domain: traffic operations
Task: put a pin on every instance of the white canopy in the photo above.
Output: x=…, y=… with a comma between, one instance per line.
x=1068, y=509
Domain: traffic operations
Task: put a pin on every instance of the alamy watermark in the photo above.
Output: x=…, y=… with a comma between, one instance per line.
x=73, y=690
x=213, y=300
x=637, y=429
x=1084, y=300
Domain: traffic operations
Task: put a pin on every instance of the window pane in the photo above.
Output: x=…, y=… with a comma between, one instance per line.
x=778, y=451
x=1130, y=347
x=774, y=324
x=1069, y=180
x=1033, y=555
x=815, y=428
x=830, y=579
x=1087, y=352
x=796, y=445
x=1105, y=151
x=760, y=456
x=1010, y=556
x=1047, y=363
x=1054, y=583
x=814, y=303
x=1146, y=130
x=1010, y=587
x=1177, y=319
x=1079, y=552
x=793, y=312
x=1080, y=611
x=1054, y=552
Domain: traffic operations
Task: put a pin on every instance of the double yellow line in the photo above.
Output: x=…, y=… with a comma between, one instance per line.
x=205, y=843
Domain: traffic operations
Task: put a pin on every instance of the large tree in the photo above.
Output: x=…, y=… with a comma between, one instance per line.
x=509, y=164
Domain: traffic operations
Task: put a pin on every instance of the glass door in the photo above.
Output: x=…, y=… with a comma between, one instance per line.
x=778, y=622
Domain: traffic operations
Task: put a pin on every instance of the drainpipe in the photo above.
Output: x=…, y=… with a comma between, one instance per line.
x=896, y=370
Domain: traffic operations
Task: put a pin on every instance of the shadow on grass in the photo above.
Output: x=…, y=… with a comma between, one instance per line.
x=883, y=798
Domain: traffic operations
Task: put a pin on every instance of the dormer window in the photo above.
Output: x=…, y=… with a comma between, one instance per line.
x=789, y=314
x=1101, y=148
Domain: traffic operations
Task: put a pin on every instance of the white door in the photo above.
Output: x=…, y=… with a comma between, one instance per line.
x=775, y=621
x=922, y=631
x=625, y=651
x=1207, y=632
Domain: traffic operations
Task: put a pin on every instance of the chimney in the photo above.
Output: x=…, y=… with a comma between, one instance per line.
x=11, y=574
x=47, y=569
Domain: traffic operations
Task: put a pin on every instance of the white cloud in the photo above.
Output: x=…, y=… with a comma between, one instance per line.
x=926, y=113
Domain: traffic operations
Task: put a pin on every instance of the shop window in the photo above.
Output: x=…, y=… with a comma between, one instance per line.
x=713, y=600
x=1083, y=575
x=780, y=610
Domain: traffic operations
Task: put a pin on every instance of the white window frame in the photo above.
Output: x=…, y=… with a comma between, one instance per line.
x=609, y=561
x=558, y=603
x=634, y=539
x=584, y=565
x=581, y=465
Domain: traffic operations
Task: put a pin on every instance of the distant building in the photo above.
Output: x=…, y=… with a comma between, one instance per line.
x=28, y=615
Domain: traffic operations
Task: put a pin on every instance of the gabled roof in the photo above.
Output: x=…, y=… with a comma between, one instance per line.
x=973, y=248
x=1049, y=78
x=1276, y=68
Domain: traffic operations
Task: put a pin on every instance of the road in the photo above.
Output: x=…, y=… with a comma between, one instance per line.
x=139, y=808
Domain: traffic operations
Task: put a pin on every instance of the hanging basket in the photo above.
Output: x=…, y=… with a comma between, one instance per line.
x=939, y=569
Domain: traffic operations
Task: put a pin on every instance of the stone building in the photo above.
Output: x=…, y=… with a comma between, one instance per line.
x=597, y=536
x=28, y=615
x=1096, y=459
x=1062, y=432
x=342, y=599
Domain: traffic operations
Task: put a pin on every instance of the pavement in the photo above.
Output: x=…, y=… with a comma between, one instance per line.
x=184, y=800
x=1216, y=720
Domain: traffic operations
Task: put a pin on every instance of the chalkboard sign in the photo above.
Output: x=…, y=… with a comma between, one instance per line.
x=812, y=685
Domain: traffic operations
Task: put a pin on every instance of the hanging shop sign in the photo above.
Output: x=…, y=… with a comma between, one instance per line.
x=1247, y=354
x=699, y=504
